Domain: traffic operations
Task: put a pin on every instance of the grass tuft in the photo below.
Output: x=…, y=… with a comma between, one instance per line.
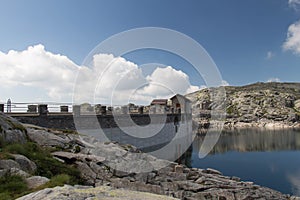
x=11, y=187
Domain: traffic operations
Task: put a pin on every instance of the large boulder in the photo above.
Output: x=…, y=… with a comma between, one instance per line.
x=12, y=167
x=72, y=157
x=18, y=172
x=47, y=138
x=87, y=173
x=84, y=192
x=11, y=131
x=13, y=171
x=25, y=164
x=8, y=164
x=297, y=105
x=36, y=181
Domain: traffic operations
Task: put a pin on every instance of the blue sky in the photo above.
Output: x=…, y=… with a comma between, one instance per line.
x=238, y=35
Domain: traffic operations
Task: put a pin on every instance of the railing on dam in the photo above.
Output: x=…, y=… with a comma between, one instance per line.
x=63, y=115
x=89, y=119
x=52, y=108
x=33, y=108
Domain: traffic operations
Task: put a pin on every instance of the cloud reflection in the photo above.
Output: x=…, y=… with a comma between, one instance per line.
x=294, y=179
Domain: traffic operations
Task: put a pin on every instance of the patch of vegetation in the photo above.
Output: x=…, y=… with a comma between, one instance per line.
x=77, y=149
x=2, y=142
x=59, y=173
x=46, y=165
x=5, y=156
x=231, y=110
x=58, y=180
x=11, y=187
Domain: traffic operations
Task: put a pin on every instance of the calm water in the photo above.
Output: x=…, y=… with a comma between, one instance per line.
x=268, y=158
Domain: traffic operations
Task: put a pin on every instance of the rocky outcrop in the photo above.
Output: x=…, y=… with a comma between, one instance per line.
x=85, y=192
x=124, y=167
x=47, y=138
x=268, y=105
x=119, y=168
x=7, y=164
x=36, y=181
x=19, y=165
x=69, y=157
x=25, y=164
x=11, y=131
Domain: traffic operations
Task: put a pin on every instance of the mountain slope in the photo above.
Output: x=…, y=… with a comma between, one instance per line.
x=259, y=103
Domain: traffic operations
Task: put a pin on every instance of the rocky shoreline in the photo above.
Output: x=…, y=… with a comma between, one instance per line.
x=262, y=125
x=259, y=105
x=112, y=171
x=174, y=180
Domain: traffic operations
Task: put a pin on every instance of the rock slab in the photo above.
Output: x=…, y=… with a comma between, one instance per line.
x=88, y=193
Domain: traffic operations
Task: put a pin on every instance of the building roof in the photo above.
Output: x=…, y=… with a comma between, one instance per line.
x=159, y=102
x=180, y=96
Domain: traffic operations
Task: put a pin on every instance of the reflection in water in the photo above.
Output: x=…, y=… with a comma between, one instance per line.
x=268, y=158
x=254, y=140
x=295, y=182
x=186, y=158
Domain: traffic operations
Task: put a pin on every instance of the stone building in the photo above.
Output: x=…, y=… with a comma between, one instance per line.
x=158, y=106
x=180, y=104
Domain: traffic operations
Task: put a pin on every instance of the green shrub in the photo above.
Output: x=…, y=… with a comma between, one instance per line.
x=5, y=196
x=6, y=156
x=59, y=173
x=46, y=165
x=2, y=142
x=58, y=180
x=15, y=149
x=11, y=187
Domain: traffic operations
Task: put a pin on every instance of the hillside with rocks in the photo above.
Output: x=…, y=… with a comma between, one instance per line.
x=269, y=105
x=54, y=164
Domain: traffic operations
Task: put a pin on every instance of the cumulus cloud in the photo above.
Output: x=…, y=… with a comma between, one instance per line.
x=294, y=3
x=53, y=77
x=112, y=80
x=273, y=80
x=36, y=68
x=168, y=80
x=120, y=81
x=294, y=179
x=224, y=83
x=292, y=42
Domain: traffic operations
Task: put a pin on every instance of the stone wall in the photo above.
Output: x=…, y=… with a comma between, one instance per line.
x=160, y=132
x=61, y=121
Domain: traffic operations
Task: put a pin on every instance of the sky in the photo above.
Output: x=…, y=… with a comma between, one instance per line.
x=43, y=45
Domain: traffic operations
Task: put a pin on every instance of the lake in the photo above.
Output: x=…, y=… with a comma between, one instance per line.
x=268, y=158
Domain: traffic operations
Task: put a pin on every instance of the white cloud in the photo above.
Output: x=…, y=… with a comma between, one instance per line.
x=166, y=80
x=129, y=85
x=45, y=76
x=35, y=68
x=270, y=55
x=294, y=179
x=224, y=83
x=273, y=80
x=294, y=3
x=292, y=42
